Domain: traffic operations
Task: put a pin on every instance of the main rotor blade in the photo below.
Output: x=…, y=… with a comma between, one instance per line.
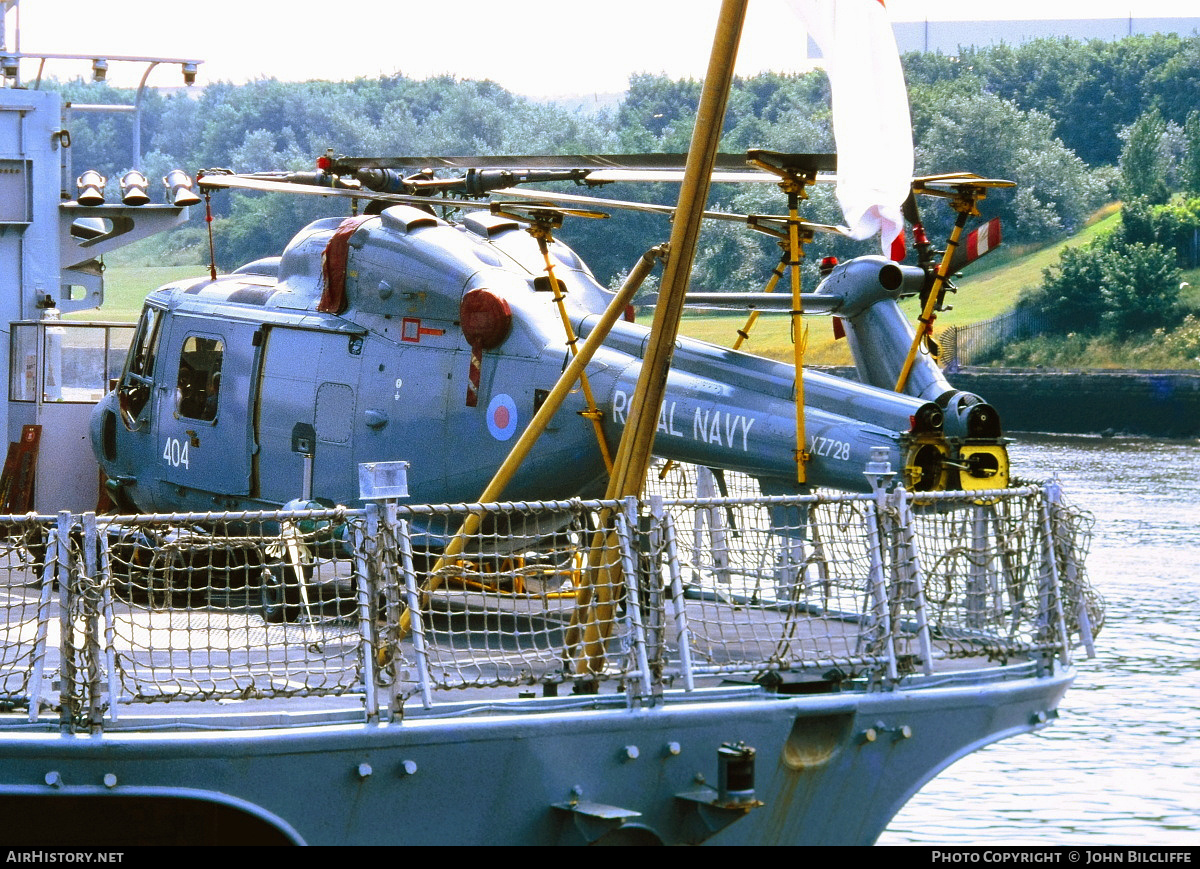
x=944, y=176
x=602, y=168
x=538, y=211
x=265, y=185
x=669, y=176
x=950, y=186
x=347, y=165
x=597, y=202
x=810, y=303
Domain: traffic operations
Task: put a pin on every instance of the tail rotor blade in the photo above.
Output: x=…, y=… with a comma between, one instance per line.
x=981, y=240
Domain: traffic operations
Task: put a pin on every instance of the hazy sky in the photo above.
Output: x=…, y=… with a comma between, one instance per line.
x=536, y=48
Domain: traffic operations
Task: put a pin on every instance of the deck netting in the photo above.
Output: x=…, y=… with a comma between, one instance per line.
x=681, y=586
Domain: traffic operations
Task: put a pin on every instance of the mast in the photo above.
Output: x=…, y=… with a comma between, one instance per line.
x=633, y=455
x=592, y=621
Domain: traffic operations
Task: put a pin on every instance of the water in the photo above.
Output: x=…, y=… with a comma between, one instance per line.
x=1121, y=765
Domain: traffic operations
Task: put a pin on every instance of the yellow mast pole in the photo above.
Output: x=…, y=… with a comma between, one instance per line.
x=633, y=454
x=596, y=605
x=799, y=334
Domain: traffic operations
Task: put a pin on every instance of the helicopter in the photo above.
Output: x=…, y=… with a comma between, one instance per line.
x=400, y=334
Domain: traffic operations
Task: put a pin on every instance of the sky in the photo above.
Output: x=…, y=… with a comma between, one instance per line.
x=539, y=49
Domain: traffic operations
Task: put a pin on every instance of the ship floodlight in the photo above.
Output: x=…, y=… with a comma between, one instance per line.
x=189, y=73
x=10, y=66
x=179, y=186
x=879, y=461
x=133, y=188
x=91, y=188
x=99, y=69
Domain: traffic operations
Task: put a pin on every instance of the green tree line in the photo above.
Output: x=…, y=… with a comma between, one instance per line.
x=1075, y=124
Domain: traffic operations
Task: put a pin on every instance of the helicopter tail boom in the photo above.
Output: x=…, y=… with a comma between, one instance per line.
x=732, y=410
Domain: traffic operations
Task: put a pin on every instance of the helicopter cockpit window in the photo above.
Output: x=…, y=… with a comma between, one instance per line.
x=135, y=386
x=199, y=380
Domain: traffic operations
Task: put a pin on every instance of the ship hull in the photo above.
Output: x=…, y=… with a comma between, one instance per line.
x=830, y=769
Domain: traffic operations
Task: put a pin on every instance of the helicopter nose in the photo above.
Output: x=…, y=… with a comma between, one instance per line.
x=103, y=429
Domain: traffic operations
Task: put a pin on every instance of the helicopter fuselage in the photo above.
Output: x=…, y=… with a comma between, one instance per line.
x=357, y=345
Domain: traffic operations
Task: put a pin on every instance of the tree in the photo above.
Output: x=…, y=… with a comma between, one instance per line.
x=1144, y=162
x=1111, y=286
x=1113, y=88
x=993, y=137
x=1174, y=225
x=1174, y=84
x=1140, y=291
x=658, y=113
x=1038, y=75
x=1091, y=90
x=1190, y=171
x=1069, y=297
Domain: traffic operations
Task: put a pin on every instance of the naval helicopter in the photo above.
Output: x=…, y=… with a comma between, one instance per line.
x=399, y=334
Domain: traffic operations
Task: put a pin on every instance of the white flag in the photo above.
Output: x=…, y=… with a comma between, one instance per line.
x=871, y=122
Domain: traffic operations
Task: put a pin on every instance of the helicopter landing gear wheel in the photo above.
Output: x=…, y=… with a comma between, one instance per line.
x=280, y=593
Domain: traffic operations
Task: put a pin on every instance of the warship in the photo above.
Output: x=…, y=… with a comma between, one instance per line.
x=774, y=611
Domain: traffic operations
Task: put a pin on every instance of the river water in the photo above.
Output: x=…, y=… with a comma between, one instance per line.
x=1121, y=766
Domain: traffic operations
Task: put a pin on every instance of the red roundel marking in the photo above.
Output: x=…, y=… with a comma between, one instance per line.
x=502, y=417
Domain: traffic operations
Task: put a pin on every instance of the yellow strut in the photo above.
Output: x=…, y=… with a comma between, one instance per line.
x=542, y=221
x=542, y=232
x=744, y=332
x=927, y=316
x=793, y=184
x=799, y=336
x=963, y=196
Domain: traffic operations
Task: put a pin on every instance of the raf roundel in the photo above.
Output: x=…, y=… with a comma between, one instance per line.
x=502, y=417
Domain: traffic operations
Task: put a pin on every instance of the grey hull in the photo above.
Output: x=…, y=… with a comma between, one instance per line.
x=830, y=769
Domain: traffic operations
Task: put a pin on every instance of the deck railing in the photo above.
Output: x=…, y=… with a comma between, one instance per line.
x=103, y=614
